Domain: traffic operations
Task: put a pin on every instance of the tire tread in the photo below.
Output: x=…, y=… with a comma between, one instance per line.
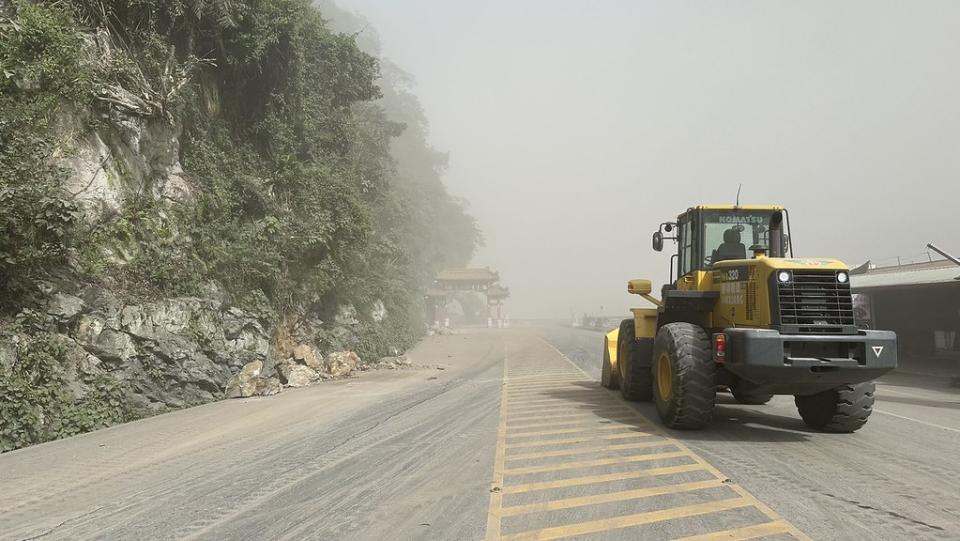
x=843, y=410
x=695, y=392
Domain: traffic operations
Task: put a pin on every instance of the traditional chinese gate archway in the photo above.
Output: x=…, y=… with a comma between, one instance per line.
x=480, y=280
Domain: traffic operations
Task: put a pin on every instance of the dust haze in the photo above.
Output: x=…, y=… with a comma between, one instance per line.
x=575, y=128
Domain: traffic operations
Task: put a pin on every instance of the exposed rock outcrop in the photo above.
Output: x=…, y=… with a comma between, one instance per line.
x=107, y=168
x=172, y=353
x=184, y=351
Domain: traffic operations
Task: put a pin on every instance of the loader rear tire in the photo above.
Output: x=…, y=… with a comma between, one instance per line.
x=684, y=376
x=843, y=410
x=609, y=378
x=636, y=382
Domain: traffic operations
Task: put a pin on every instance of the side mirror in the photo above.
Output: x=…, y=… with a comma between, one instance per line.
x=658, y=241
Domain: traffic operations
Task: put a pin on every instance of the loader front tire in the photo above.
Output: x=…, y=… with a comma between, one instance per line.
x=684, y=376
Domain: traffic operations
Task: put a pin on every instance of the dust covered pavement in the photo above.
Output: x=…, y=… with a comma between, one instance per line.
x=508, y=440
x=356, y=458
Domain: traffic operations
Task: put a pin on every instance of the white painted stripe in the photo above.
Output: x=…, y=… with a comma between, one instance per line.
x=905, y=418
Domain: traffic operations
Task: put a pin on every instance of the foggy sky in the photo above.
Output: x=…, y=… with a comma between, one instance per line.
x=575, y=128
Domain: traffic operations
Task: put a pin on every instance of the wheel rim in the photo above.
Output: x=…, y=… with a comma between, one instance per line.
x=664, y=376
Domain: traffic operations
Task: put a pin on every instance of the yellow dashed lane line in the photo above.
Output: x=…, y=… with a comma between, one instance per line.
x=496, y=496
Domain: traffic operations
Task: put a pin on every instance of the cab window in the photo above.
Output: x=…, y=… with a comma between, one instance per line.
x=735, y=234
x=687, y=248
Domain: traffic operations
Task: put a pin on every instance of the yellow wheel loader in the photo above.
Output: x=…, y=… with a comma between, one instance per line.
x=742, y=313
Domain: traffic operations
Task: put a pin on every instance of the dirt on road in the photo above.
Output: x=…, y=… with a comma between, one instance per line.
x=513, y=439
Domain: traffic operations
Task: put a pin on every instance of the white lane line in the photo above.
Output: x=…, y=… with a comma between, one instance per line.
x=917, y=421
x=941, y=396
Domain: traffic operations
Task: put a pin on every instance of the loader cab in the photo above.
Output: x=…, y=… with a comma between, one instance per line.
x=708, y=235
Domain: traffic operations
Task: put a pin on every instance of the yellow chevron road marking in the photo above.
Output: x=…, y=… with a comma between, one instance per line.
x=741, y=534
x=596, y=479
x=594, y=463
x=559, y=412
x=609, y=497
x=589, y=450
x=627, y=521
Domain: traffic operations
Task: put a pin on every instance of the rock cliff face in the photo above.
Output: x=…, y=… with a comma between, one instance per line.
x=109, y=167
x=166, y=353
x=161, y=354
x=170, y=353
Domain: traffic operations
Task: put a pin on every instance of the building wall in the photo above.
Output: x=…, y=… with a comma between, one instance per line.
x=916, y=313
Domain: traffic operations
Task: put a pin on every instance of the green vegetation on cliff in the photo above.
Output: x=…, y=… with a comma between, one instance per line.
x=297, y=198
x=307, y=184
x=41, y=70
x=36, y=404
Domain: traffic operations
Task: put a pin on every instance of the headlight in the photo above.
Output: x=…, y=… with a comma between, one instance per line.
x=842, y=277
x=784, y=277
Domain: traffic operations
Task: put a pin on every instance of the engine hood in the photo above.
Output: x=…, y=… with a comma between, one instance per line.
x=778, y=263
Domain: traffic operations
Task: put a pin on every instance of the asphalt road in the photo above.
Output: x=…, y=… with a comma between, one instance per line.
x=511, y=439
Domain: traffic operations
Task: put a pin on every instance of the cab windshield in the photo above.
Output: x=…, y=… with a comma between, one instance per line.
x=735, y=234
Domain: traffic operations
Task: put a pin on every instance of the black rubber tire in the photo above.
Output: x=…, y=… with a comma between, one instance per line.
x=693, y=389
x=843, y=410
x=744, y=396
x=609, y=378
x=636, y=383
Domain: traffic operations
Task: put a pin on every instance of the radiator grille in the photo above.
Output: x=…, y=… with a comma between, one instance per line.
x=814, y=301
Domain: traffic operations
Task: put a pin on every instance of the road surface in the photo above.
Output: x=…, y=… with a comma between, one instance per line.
x=510, y=438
